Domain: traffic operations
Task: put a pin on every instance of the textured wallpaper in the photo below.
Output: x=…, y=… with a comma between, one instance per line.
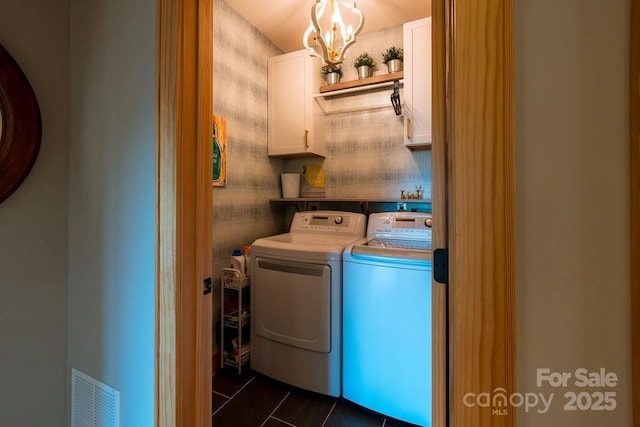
x=241, y=209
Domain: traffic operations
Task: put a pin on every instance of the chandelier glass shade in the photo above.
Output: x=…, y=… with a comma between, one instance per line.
x=328, y=35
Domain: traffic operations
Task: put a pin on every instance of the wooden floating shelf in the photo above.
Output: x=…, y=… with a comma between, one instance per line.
x=364, y=202
x=362, y=83
x=350, y=199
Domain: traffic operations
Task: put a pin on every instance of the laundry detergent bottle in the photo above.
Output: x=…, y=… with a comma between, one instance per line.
x=238, y=261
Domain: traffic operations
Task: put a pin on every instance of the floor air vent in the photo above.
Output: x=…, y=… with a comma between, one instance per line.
x=93, y=404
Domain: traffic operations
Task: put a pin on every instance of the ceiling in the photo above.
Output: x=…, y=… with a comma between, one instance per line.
x=284, y=21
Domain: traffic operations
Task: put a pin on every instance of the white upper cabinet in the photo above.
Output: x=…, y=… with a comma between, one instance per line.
x=296, y=122
x=417, y=83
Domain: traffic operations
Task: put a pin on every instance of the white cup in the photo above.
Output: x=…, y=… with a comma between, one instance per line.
x=290, y=185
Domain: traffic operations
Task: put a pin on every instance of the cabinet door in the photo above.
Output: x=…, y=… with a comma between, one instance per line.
x=417, y=83
x=296, y=124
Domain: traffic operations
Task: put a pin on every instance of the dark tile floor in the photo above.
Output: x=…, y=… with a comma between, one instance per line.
x=251, y=399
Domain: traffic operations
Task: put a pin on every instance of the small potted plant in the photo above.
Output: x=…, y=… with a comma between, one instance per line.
x=393, y=57
x=331, y=73
x=364, y=64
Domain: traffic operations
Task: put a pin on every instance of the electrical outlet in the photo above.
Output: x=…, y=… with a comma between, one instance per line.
x=402, y=206
x=314, y=206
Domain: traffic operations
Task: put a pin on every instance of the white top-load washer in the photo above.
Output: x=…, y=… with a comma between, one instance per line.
x=296, y=300
x=387, y=348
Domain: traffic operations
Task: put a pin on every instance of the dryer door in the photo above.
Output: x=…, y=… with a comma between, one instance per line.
x=292, y=303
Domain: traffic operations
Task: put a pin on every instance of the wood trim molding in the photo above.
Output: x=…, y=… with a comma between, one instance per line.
x=203, y=225
x=634, y=187
x=481, y=208
x=439, y=204
x=166, y=213
x=183, y=313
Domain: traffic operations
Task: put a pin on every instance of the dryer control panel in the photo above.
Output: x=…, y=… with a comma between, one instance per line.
x=343, y=223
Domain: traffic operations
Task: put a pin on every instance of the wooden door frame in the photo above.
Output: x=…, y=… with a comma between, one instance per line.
x=480, y=234
x=481, y=305
x=439, y=28
x=634, y=205
x=480, y=204
x=183, y=214
x=472, y=366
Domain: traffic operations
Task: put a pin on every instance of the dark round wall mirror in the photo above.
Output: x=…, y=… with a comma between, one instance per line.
x=20, y=125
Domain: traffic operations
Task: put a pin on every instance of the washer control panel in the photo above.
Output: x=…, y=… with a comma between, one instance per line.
x=347, y=223
x=400, y=225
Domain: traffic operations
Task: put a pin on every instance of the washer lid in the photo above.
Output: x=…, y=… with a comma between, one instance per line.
x=422, y=245
x=393, y=251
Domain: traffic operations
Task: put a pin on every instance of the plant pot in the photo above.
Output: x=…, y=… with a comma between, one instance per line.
x=364, y=71
x=332, y=78
x=394, y=65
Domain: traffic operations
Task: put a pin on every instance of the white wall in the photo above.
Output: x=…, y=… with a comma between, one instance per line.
x=33, y=227
x=572, y=209
x=112, y=199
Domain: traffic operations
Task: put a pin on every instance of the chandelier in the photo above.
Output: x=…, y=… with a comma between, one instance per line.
x=327, y=36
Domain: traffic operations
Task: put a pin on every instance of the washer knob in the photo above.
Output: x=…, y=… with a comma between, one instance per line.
x=428, y=222
x=338, y=220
